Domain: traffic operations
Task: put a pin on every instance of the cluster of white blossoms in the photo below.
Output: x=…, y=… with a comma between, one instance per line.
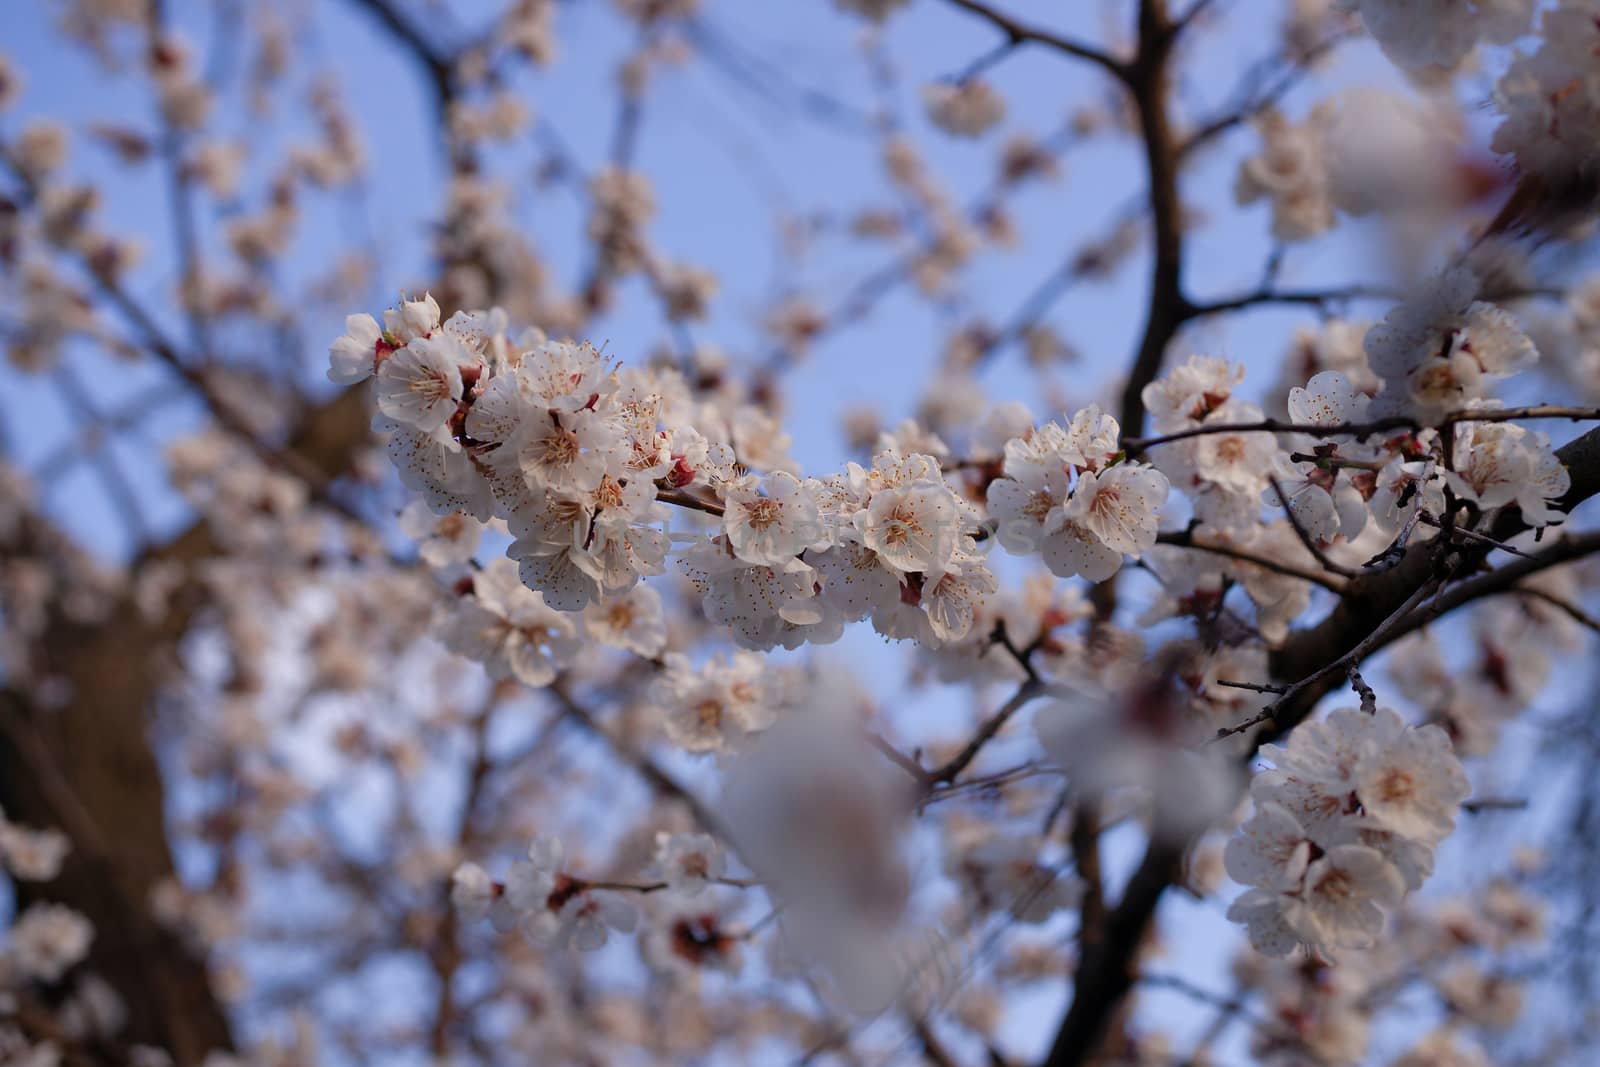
x=1071, y=496
x=31, y=855
x=1361, y=152
x=1465, y=951
x=578, y=456
x=1551, y=97
x=508, y=628
x=1333, y=486
x=555, y=908
x=1344, y=825
x=45, y=941
x=1443, y=347
x=1510, y=655
x=501, y=623
x=1223, y=474
x=1291, y=172
x=1005, y=872
x=719, y=703
x=964, y=109
x=797, y=560
x=549, y=906
x=1435, y=356
x=1500, y=463
x=1399, y=154
x=1432, y=37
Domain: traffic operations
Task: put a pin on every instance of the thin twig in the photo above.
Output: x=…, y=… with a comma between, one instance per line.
x=991, y=726
x=1254, y=687
x=1305, y=537
x=1494, y=804
x=1571, y=609
x=1343, y=663
x=899, y=759
x=1020, y=32
x=1187, y=539
x=1363, y=430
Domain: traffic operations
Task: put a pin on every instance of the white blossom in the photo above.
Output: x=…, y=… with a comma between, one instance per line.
x=31, y=855
x=965, y=109
x=509, y=628
x=472, y=892
x=1273, y=850
x=354, y=357
x=420, y=385
x=1435, y=351
x=770, y=522
x=1430, y=37
x=1291, y=171
x=412, y=319
x=1190, y=392
x=720, y=703
x=634, y=620
x=1119, y=506
x=1500, y=463
x=46, y=940
x=688, y=862
x=1549, y=97
x=912, y=527
x=442, y=539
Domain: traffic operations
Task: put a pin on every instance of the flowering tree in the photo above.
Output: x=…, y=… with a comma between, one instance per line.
x=520, y=696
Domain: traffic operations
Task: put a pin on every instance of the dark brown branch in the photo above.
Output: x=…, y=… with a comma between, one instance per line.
x=1344, y=665
x=992, y=725
x=1308, y=297
x=684, y=499
x=639, y=760
x=1254, y=687
x=1148, y=81
x=1019, y=33
x=933, y=1049
x=1574, y=611
x=180, y=193
x=1477, y=804
x=1504, y=580
x=1105, y=973
x=1187, y=539
x=1362, y=430
x=434, y=64
x=1260, y=100
x=1084, y=839
x=1305, y=537
x=899, y=759
x=98, y=744
x=1105, y=969
x=1024, y=657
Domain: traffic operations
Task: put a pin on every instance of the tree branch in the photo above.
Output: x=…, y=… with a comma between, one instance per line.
x=1019, y=33
x=1362, y=430
x=1147, y=81
x=992, y=725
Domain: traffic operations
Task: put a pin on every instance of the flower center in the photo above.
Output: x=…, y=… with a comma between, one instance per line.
x=763, y=512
